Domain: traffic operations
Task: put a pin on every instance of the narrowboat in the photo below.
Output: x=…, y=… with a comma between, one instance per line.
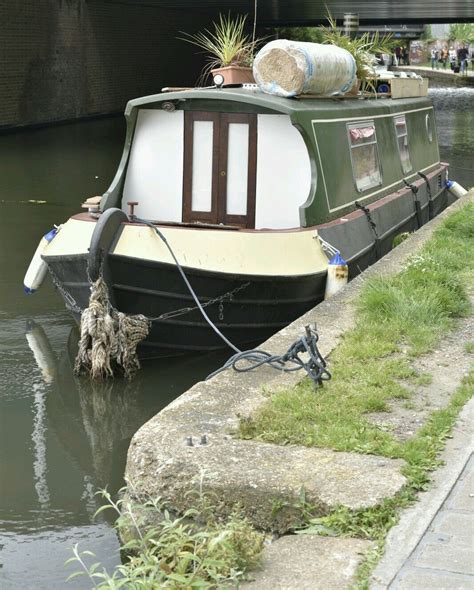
x=247, y=188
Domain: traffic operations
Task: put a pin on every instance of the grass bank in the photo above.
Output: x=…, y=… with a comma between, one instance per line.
x=399, y=318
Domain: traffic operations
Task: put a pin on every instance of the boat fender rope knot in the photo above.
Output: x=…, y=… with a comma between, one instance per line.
x=109, y=338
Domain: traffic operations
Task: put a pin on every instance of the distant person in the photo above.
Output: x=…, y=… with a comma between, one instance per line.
x=434, y=58
x=398, y=55
x=444, y=56
x=405, y=56
x=452, y=57
x=463, y=53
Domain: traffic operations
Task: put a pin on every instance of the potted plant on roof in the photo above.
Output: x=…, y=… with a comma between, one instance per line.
x=230, y=50
x=363, y=49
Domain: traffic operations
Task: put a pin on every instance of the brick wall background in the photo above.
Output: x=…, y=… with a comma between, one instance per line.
x=64, y=59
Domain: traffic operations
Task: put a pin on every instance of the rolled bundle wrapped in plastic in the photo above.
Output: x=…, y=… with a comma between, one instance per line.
x=288, y=68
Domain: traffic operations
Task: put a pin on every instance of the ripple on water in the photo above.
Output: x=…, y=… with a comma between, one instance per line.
x=22, y=555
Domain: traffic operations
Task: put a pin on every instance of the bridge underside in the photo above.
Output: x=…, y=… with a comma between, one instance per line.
x=313, y=12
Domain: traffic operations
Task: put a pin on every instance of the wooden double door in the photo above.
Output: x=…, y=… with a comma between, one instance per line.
x=220, y=160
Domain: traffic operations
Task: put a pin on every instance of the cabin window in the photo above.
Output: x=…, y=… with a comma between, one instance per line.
x=429, y=128
x=364, y=155
x=219, y=181
x=402, y=140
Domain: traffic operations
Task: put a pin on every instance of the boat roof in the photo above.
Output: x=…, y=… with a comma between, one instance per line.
x=287, y=106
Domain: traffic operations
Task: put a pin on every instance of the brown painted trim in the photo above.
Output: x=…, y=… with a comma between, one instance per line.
x=248, y=220
x=189, y=214
x=252, y=171
x=222, y=169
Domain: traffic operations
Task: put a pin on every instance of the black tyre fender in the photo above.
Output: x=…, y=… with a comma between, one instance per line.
x=102, y=239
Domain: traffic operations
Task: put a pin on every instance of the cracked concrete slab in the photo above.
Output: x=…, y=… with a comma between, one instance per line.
x=308, y=562
x=266, y=480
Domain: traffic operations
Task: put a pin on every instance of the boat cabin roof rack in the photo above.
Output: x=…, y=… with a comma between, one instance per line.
x=262, y=102
x=399, y=88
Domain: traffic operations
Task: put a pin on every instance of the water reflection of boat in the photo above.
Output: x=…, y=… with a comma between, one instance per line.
x=46, y=361
x=94, y=421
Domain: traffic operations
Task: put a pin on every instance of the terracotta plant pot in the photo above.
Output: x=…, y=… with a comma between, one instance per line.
x=235, y=75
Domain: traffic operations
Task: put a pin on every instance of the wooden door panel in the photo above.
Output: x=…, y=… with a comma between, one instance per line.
x=189, y=215
x=220, y=168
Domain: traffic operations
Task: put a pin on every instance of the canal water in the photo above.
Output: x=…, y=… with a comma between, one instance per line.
x=61, y=437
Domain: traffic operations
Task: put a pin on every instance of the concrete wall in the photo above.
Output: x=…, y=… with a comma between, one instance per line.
x=62, y=59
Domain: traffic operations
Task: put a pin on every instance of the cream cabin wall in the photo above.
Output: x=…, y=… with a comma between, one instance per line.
x=283, y=173
x=155, y=170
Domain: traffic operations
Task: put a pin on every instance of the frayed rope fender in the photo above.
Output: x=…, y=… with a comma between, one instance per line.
x=109, y=338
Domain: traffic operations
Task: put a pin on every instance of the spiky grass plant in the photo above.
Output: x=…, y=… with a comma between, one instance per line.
x=363, y=49
x=227, y=44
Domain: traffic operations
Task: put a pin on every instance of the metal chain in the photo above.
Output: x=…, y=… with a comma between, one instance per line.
x=72, y=305
x=227, y=296
x=416, y=202
x=371, y=222
x=373, y=227
x=69, y=300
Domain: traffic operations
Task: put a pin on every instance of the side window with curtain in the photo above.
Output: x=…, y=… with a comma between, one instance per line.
x=364, y=155
x=402, y=141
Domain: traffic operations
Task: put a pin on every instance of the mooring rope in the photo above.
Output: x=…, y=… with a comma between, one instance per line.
x=185, y=279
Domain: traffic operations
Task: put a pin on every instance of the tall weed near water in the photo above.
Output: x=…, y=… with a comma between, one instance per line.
x=174, y=552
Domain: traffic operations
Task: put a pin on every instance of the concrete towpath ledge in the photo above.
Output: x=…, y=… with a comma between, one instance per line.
x=265, y=479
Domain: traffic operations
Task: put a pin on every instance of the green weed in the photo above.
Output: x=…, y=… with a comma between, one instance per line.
x=422, y=379
x=469, y=347
x=175, y=552
x=422, y=457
